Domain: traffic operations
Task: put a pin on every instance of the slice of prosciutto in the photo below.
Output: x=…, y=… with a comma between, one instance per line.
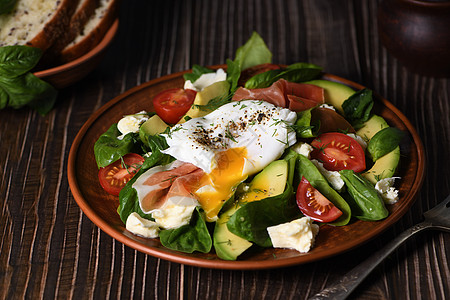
x=295, y=96
x=174, y=181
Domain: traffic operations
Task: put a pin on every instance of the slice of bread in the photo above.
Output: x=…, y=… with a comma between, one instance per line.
x=82, y=14
x=36, y=23
x=93, y=32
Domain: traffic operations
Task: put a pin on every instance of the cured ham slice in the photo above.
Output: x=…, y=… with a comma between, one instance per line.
x=274, y=94
x=160, y=183
x=295, y=96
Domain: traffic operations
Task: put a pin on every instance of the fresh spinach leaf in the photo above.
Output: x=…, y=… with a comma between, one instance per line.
x=108, y=148
x=188, y=238
x=197, y=71
x=307, y=169
x=7, y=6
x=262, y=80
x=368, y=206
x=251, y=220
x=233, y=74
x=384, y=141
x=304, y=127
x=253, y=52
x=358, y=106
x=298, y=72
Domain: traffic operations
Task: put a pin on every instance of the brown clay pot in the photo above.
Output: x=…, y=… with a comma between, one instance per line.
x=417, y=33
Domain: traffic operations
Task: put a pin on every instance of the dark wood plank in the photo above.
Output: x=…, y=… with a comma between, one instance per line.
x=50, y=249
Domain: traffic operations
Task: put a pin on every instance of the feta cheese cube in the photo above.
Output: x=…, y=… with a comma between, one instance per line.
x=304, y=149
x=206, y=80
x=386, y=190
x=359, y=139
x=176, y=212
x=333, y=177
x=142, y=227
x=299, y=234
x=131, y=123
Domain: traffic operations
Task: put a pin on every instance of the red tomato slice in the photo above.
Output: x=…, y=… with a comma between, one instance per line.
x=114, y=176
x=338, y=151
x=172, y=104
x=314, y=205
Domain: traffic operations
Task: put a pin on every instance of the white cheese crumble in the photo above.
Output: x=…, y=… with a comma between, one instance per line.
x=206, y=80
x=359, y=139
x=299, y=234
x=131, y=123
x=386, y=190
x=142, y=227
x=333, y=177
x=176, y=212
x=328, y=106
x=304, y=149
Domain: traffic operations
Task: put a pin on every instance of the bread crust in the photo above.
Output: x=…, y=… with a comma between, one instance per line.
x=55, y=26
x=75, y=51
x=80, y=17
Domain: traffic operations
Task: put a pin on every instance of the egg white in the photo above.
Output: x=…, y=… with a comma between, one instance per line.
x=261, y=128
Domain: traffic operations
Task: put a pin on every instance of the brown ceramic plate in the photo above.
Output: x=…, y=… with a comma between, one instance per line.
x=71, y=72
x=101, y=207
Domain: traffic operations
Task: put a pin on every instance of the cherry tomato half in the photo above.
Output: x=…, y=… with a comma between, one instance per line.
x=338, y=151
x=314, y=205
x=114, y=176
x=172, y=104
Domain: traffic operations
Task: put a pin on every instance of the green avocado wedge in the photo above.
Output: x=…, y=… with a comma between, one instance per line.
x=335, y=93
x=385, y=166
x=271, y=181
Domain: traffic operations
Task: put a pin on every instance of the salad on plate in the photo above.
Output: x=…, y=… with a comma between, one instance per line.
x=248, y=156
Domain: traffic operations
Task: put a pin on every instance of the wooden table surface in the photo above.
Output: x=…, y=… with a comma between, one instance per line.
x=50, y=249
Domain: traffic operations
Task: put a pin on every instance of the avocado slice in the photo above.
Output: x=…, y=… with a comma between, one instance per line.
x=335, y=93
x=271, y=181
x=154, y=125
x=371, y=126
x=216, y=90
x=386, y=165
x=228, y=246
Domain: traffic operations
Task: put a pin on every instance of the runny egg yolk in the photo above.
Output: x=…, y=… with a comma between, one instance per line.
x=219, y=185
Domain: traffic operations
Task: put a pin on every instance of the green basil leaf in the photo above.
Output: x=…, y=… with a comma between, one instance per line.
x=253, y=52
x=108, y=148
x=358, y=106
x=197, y=71
x=18, y=60
x=29, y=90
x=188, y=238
x=251, y=220
x=7, y=6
